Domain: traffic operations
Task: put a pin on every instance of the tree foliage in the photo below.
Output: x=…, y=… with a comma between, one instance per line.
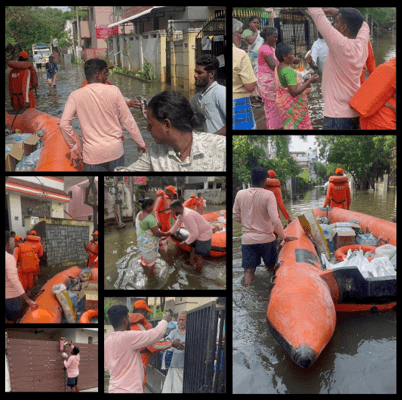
x=365, y=157
x=250, y=151
x=26, y=25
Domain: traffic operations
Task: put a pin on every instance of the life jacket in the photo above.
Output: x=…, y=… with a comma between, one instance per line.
x=92, y=250
x=34, y=242
x=379, y=87
x=22, y=80
x=274, y=185
x=26, y=258
x=191, y=203
x=339, y=191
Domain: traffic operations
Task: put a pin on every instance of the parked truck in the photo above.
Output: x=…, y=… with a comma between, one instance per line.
x=44, y=50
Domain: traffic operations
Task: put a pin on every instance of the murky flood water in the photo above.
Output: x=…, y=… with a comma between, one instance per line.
x=384, y=48
x=360, y=357
x=172, y=270
x=70, y=78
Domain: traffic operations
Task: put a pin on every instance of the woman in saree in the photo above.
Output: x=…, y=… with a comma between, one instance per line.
x=148, y=235
x=267, y=62
x=255, y=41
x=291, y=97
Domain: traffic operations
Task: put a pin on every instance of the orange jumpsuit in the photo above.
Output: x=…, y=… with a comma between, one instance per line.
x=92, y=250
x=162, y=203
x=191, y=203
x=35, y=243
x=139, y=323
x=338, y=194
x=21, y=82
x=26, y=260
x=274, y=185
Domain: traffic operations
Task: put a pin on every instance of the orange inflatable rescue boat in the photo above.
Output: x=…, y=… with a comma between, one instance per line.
x=304, y=300
x=50, y=310
x=218, y=244
x=55, y=153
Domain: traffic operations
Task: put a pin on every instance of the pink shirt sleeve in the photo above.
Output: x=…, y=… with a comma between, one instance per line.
x=177, y=225
x=13, y=284
x=192, y=228
x=70, y=111
x=146, y=338
x=126, y=118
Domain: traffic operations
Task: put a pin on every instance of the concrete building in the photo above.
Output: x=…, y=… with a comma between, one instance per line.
x=166, y=37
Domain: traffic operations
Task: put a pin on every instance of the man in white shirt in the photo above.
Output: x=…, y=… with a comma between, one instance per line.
x=211, y=99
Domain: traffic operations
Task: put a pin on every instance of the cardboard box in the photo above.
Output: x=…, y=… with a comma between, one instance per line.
x=89, y=291
x=342, y=236
x=17, y=146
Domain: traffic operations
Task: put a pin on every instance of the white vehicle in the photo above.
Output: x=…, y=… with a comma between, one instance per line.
x=44, y=50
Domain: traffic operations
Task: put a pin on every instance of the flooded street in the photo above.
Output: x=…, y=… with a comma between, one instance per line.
x=360, y=357
x=172, y=270
x=71, y=77
x=384, y=48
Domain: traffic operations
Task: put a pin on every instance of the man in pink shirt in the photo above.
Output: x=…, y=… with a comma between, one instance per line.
x=257, y=212
x=200, y=231
x=347, y=42
x=122, y=351
x=72, y=365
x=100, y=109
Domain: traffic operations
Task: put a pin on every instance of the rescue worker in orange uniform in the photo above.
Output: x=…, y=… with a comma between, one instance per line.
x=139, y=322
x=34, y=240
x=338, y=194
x=26, y=259
x=202, y=201
x=274, y=185
x=22, y=80
x=92, y=250
x=192, y=203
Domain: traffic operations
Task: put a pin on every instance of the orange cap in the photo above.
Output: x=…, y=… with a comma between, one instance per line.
x=33, y=233
x=142, y=304
x=17, y=238
x=339, y=171
x=95, y=233
x=193, y=196
x=172, y=189
x=271, y=173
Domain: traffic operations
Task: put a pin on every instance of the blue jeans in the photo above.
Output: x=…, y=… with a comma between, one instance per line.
x=252, y=254
x=109, y=166
x=341, y=124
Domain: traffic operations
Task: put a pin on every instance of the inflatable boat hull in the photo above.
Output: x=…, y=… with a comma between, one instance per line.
x=55, y=153
x=218, y=244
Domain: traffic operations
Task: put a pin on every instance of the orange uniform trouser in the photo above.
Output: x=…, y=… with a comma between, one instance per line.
x=26, y=279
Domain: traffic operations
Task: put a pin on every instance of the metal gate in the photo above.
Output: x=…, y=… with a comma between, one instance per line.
x=37, y=366
x=212, y=40
x=205, y=354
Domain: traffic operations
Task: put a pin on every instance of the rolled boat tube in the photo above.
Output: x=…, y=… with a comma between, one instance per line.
x=55, y=153
x=301, y=313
